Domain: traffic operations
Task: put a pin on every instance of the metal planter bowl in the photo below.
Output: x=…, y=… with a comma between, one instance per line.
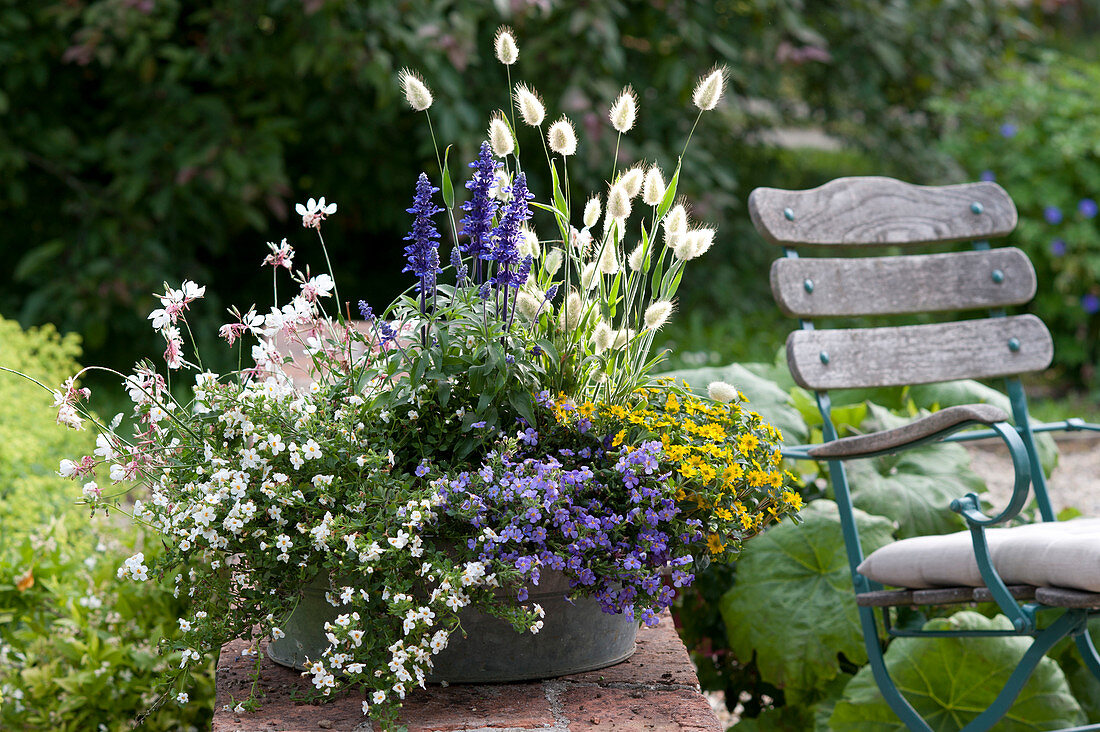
x=575, y=637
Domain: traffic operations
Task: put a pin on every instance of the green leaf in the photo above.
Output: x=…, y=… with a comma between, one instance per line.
x=445, y=186
x=670, y=193
x=949, y=681
x=915, y=487
x=762, y=395
x=793, y=604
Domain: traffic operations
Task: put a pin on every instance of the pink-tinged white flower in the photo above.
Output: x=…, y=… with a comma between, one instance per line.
x=91, y=490
x=314, y=212
x=67, y=468
x=319, y=286
x=173, y=352
x=282, y=254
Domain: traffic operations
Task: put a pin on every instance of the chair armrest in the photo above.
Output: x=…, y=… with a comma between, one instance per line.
x=918, y=431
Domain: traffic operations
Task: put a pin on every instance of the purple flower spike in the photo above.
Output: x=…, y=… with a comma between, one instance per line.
x=1090, y=303
x=512, y=269
x=1053, y=215
x=423, y=253
x=1087, y=208
x=477, y=224
x=1057, y=247
x=1008, y=130
x=987, y=176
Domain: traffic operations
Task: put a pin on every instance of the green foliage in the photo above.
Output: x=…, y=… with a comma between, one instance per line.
x=1034, y=127
x=950, y=680
x=791, y=604
x=144, y=142
x=914, y=488
x=77, y=647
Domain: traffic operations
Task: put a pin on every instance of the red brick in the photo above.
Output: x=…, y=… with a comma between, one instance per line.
x=661, y=659
x=674, y=710
x=474, y=706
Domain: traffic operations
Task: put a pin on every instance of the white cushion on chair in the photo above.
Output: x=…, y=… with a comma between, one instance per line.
x=1052, y=554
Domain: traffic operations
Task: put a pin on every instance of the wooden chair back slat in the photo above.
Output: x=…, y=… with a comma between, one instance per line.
x=918, y=354
x=881, y=211
x=827, y=287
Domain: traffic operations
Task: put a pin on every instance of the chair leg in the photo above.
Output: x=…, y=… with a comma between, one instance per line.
x=1065, y=625
x=1088, y=652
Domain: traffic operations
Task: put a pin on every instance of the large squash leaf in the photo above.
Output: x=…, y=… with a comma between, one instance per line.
x=1084, y=685
x=793, y=603
x=949, y=681
x=763, y=395
x=915, y=487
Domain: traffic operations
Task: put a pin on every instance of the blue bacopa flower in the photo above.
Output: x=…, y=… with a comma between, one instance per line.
x=1057, y=247
x=422, y=469
x=480, y=209
x=1053, y=215
x=1090, y=303
x=987, y=176
x=1008, y=130
x=1087, y=208
x=422, y=253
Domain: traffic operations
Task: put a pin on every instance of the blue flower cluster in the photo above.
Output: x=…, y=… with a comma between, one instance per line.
x=422, y=253
x=480, y=209
x=512, y=269
x=558, y=511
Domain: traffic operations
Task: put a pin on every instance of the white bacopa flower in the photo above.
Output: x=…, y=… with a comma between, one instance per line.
x=657, y=314
x=624, y=110
x=709, y=89
x=562, y=137
x=500, y=136
x=631, y=182
x=618, y=202
x=653, y=189
x=720, y=391
x=182, y=698
x=592, y=212
x=529, y=105
x=416, y=91
x=505, y=46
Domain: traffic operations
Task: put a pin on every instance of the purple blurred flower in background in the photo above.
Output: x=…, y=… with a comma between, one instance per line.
x=1057, y=247
x=1053, y=215
x=1090, y=303
x=1087, y=208
x=987, y=175
x=1008, y=130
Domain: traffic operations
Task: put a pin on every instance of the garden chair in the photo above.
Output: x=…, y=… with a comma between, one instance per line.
x=1041, y=567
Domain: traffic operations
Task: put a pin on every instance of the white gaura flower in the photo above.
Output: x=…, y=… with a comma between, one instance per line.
x=504, y=45
x=415, y=90
x=314, y=212
x=529, y=105
x=624, y=110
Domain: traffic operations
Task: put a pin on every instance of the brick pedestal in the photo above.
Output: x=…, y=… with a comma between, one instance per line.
x=656, y=689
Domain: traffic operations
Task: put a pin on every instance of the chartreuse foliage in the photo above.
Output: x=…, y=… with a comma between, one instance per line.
x=949, y=681
x=791, y=604
x=77, y=648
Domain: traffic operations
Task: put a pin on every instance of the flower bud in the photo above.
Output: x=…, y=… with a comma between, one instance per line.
x=653, y=190
x=505, y=46
x=562, y=138
x=529, y=105
x=618, y=202
x=624, y=110
x=657, y=314
x=500, y=136
x=416, y=91
x=720, y=391
x=709, y=89
x=631, y=181
x=592, y=212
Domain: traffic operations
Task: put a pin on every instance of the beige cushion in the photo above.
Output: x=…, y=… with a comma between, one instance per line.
x=1054, y=554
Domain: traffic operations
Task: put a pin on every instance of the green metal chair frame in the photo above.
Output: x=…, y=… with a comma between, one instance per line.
x=869, y=212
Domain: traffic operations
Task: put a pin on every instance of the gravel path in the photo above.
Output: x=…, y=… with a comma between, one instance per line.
x=1075, y=482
